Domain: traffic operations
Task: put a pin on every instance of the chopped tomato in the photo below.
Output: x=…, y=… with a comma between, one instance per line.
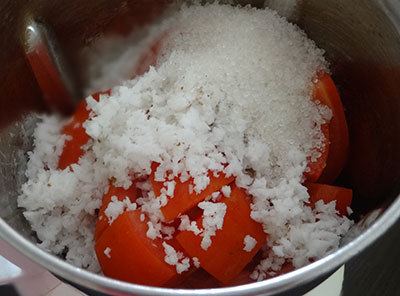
x=329, y=193
x=77, y=137
x=126, y=253
x=226, y=257
x=72, y=150
x=184, y=198
x=325, y=91
x=121, y=193
x=315, y=168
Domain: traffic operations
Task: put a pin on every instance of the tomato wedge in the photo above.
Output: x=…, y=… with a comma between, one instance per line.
x=226, y=257
x=126, y=253
x=326, y=92
x=72, y=150
x=121, y=193
x=184, y=199
x=77, y=137
x=316, y=168
x=329, y=193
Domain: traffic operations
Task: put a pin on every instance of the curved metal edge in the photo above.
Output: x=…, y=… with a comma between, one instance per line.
x=268, y=287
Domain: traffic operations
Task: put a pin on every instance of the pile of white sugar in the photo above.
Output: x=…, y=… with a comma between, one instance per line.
x=231, y=92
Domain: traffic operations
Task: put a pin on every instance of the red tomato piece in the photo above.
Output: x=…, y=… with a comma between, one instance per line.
x=121, y=193
x=226, y=257
x=316, y=168
x=326, y=92
x=77, y=137
x=328, y=193
x=72, y=150
x=126, y=253
x=183, y=199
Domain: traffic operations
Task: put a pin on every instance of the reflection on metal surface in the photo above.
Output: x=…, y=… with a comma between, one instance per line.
x=50, y=68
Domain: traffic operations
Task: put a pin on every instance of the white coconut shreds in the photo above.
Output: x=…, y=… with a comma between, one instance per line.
x=172, y=257
x=213, y=219
x=188, y=225
x=60, y=204
x=226, y=191
x=196, y=262
x=117, y=207
x=230, y=93
x=249, y=243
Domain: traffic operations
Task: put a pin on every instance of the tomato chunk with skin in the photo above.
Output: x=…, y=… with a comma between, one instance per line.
x=72, y=150
x=126, y=253
x=183, y=199
x=121, y=194
x=316, y=168
x=77, y=137
x=226, y=257
x=328, y=193
x=326, y=92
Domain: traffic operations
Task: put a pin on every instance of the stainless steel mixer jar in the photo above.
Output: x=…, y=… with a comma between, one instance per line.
x=362, y=43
